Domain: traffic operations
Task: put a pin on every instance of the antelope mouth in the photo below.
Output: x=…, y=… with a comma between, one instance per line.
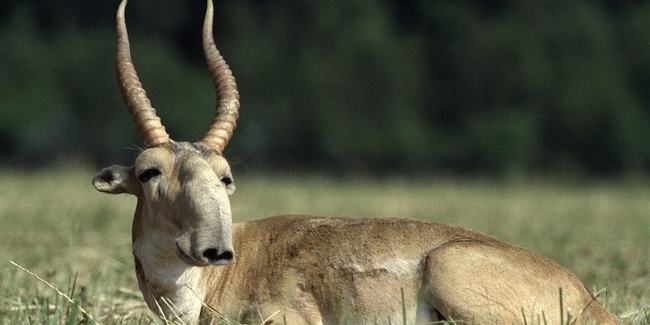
x=187, y=258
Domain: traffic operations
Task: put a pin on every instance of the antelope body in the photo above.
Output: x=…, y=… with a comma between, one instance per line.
x=194, y=265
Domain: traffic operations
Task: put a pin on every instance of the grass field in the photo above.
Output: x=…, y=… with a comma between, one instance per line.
x=54, y=223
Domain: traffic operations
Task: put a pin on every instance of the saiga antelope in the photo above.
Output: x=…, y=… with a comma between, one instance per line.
x=192, y=262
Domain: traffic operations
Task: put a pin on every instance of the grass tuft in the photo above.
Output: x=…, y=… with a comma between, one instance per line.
x=58, y=292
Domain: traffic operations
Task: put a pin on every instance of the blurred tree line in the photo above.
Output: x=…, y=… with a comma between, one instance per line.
x=457, y=86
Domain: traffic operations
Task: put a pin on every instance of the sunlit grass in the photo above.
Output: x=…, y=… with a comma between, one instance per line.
x=56, y=225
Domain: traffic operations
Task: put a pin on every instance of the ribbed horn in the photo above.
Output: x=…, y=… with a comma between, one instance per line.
x=135, y=97
x=225, y=120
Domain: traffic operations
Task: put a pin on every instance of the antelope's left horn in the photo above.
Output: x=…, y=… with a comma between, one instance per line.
x=225, y=120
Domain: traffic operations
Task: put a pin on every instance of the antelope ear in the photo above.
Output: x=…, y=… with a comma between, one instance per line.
x=116, y=179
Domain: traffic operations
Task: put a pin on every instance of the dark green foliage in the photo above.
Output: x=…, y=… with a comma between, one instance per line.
x=508, y=88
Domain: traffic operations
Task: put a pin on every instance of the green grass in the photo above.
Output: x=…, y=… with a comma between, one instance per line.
x=54, y=223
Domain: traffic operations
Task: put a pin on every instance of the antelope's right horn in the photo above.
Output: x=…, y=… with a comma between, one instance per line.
x=135, y=97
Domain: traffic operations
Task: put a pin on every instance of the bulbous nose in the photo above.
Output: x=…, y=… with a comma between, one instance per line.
x=215, y=256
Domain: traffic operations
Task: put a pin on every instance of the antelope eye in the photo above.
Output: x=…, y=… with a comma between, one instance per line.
x=147, y=174
x=226, y=180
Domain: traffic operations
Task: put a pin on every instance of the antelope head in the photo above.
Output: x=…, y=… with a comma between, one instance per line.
x=182, y=188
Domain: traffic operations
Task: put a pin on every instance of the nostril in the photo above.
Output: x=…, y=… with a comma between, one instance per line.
x=213, y=256
x=225, y=256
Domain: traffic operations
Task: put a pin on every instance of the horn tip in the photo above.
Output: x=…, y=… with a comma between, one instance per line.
x=209, y=12
x=121, y=8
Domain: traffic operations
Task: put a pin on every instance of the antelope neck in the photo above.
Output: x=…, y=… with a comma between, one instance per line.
x=169, y=286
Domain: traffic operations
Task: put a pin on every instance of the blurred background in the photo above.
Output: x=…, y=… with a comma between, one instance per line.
x=526, y=120
x=502, y=88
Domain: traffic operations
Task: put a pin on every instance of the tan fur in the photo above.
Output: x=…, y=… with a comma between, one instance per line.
x=324, y=270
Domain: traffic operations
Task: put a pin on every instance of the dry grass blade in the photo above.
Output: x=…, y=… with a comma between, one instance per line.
x=593, y=299
x=268, y=320
x=162, y=314
x=12, y=309
x=635, y=313
x=177, y=318
x=59, y=292
x=210, y=308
